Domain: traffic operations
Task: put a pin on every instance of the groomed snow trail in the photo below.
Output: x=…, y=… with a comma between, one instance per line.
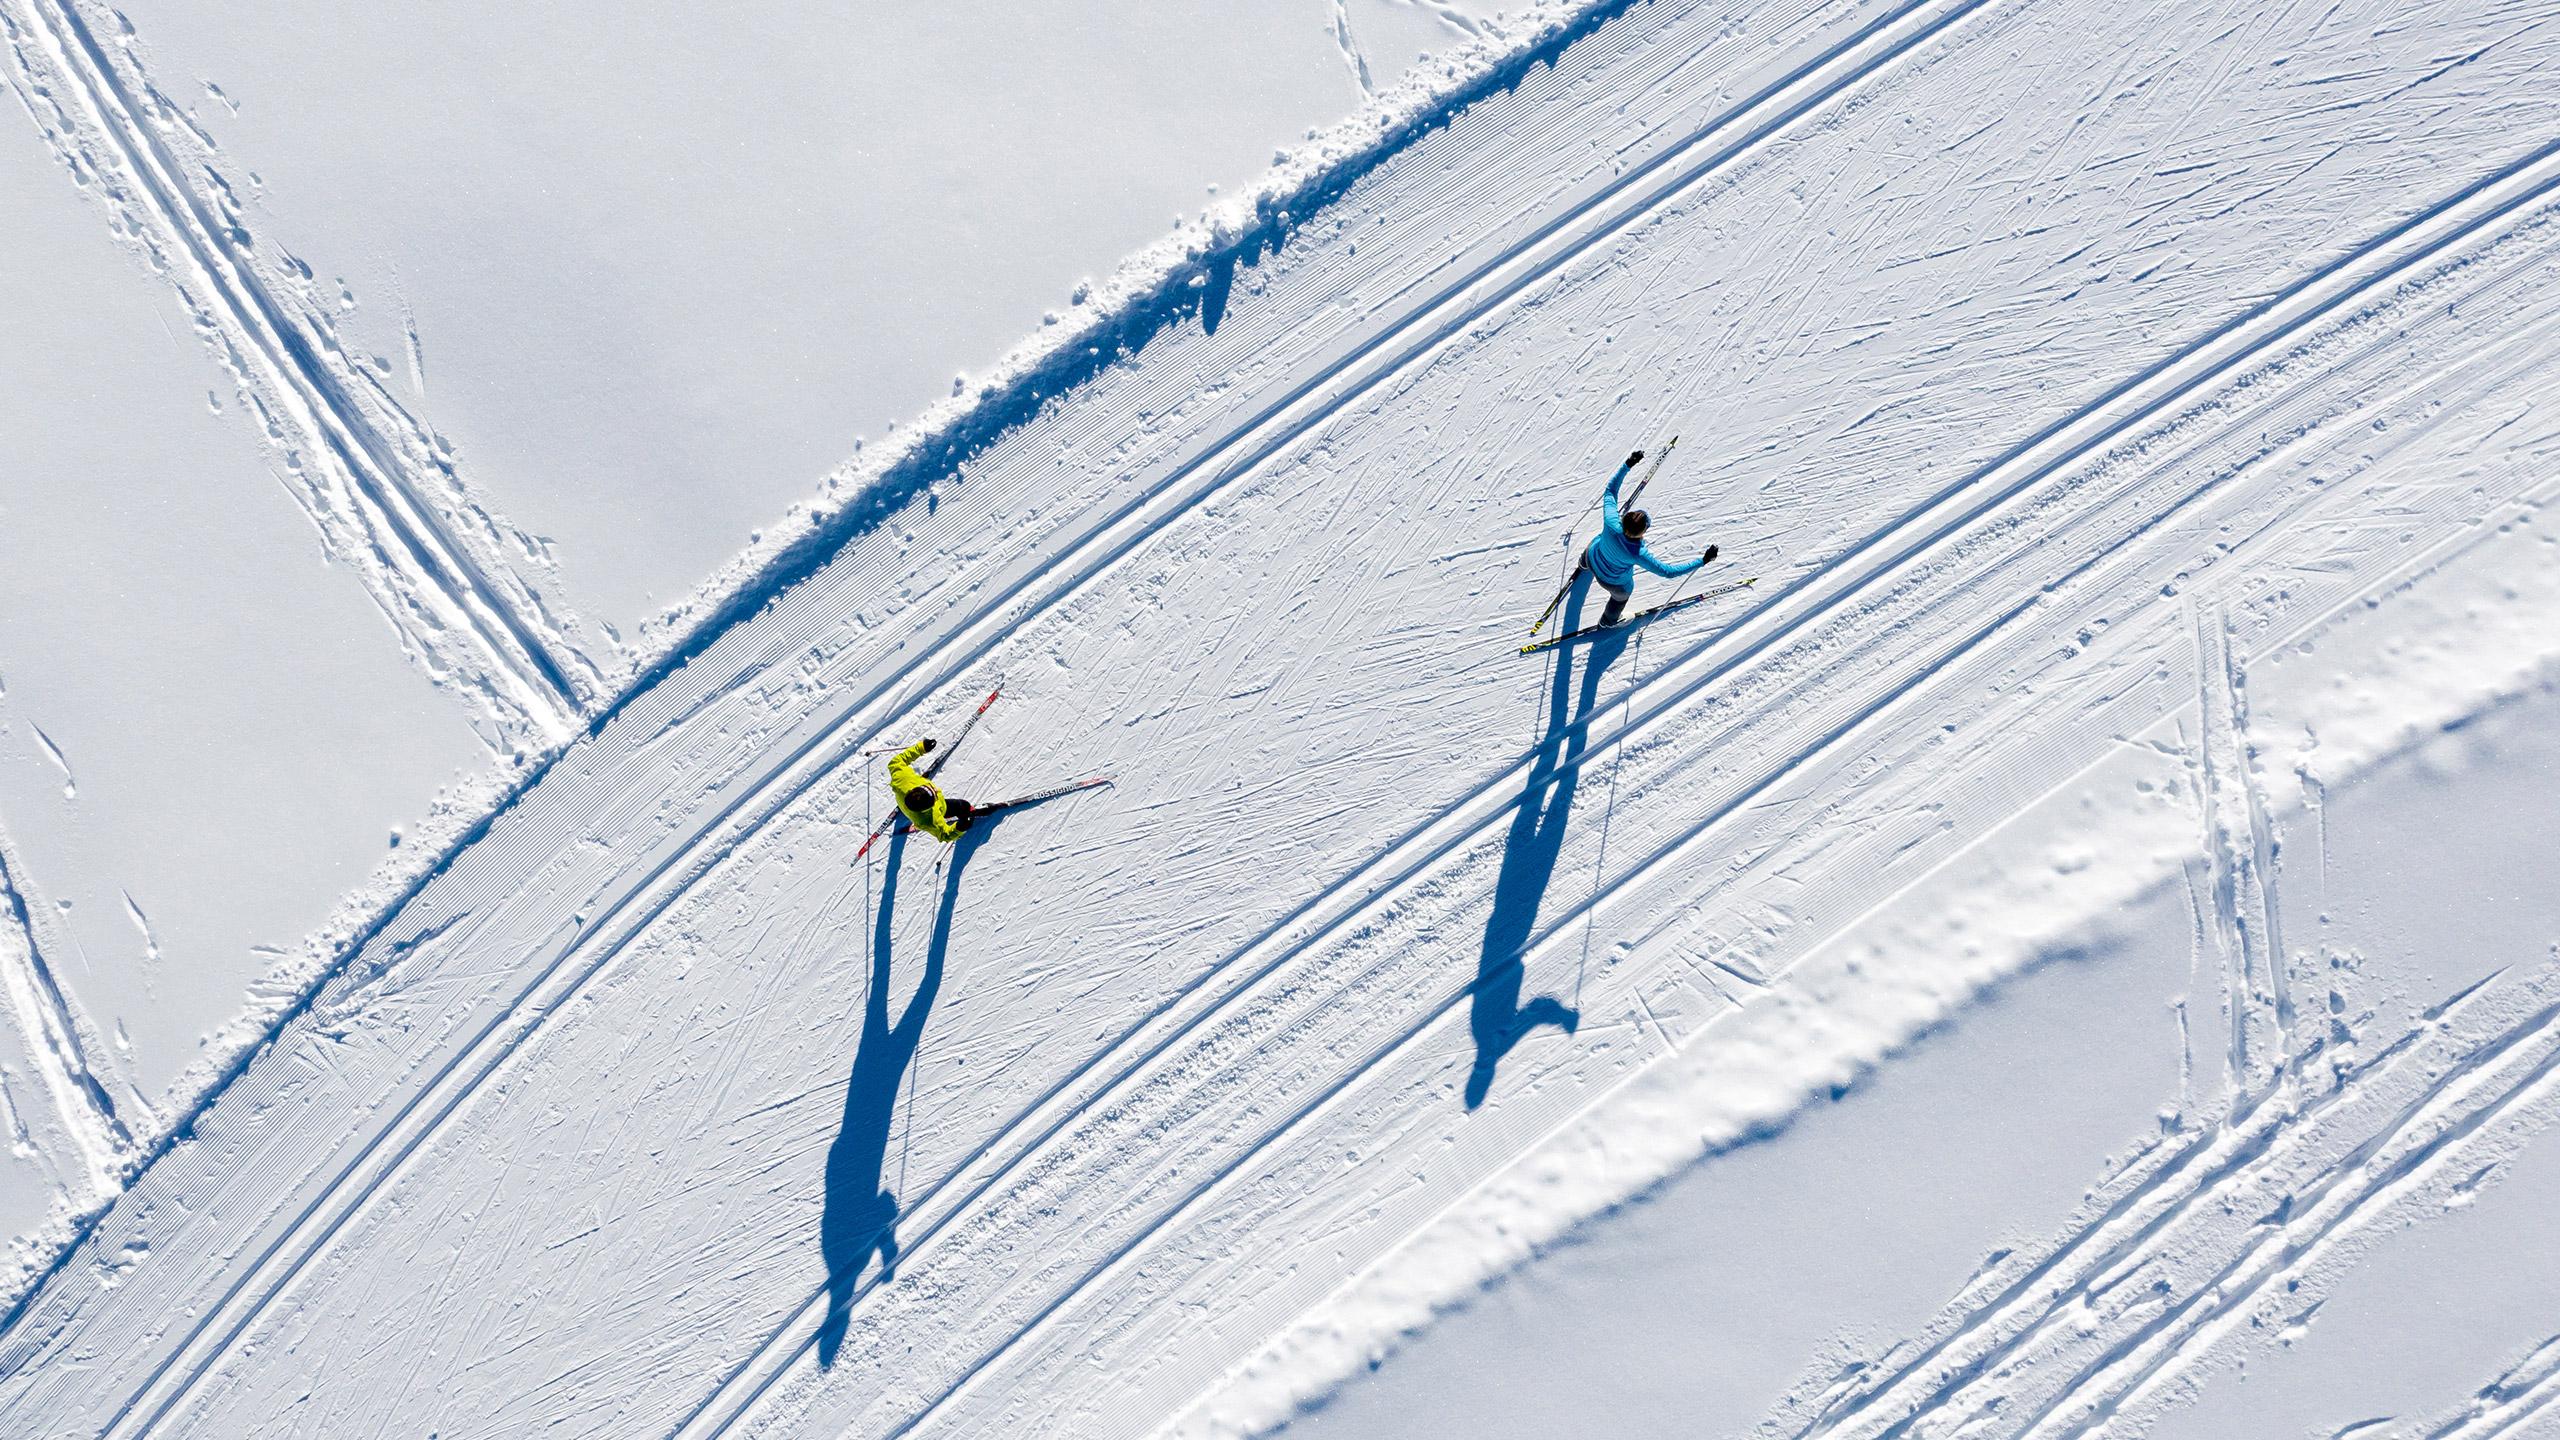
x=1983, y=323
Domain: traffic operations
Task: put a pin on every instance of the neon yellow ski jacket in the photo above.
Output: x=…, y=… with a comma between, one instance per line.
x=936, y=821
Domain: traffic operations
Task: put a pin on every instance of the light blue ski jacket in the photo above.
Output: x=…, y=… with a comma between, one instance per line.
x=1614, y=557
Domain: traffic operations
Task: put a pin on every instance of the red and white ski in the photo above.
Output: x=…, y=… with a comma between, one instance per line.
x=1037, y=796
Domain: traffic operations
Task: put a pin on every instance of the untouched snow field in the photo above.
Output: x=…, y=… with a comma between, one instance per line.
x=2066, y=949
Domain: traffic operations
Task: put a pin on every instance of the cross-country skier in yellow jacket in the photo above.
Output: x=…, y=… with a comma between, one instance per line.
x=941, y=816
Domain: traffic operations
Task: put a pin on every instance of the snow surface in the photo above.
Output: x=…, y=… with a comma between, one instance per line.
x=651, y=279
x=332, y=141
x=206, y=736
x=2134, y=421
x=1693, y=1308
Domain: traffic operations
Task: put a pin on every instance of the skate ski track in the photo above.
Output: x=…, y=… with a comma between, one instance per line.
x=1821, y=627
x=372, y=479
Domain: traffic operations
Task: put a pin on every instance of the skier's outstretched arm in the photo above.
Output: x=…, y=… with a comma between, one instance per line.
x=902, y=766
x=1646, y=558
x=1609, y=517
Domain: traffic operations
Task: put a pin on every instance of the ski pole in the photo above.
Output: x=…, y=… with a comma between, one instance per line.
x=1647, y=479
x=965, y=726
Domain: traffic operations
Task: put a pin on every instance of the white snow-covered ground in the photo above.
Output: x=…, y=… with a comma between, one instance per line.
x=1694, y=1308
x=663, y=289
x=206, y=735
x=2063, y=949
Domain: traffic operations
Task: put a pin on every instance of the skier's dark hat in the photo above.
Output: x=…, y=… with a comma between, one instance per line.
x=920, y=798
x=1635, y=521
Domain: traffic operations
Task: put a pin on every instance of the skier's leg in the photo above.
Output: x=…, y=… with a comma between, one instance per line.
x=1617, y=605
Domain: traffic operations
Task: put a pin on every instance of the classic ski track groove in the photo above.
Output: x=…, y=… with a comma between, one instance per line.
x=1448, y=311
x=322, y=408
x=2148, y=1171
x=2212, y=1163
x=2433, y=1126
x=2519, y=1396
x=1563, y=919
x=1388, y=887
x=1111, y=540
x=2531, y=176
x=1380, y=894
x=2249, y=1109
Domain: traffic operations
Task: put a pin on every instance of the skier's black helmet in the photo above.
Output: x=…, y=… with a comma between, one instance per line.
x=920, y=799
x=1636, y=521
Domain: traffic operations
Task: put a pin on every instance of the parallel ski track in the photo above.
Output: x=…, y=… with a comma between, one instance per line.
x=1442, y=316
x=2244, y=1136
x=2542, y=176
x=2179, y=1183
x=2429, y=1131
x=2505, y=1406
x=394, y=511
x=2261, y=1114
x=2440, y=226
x=1869, y=1397
x=1393, y=349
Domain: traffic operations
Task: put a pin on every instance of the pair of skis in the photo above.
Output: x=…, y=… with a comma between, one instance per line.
x=1641, y=616
x=1629, y=503
x=942, y=757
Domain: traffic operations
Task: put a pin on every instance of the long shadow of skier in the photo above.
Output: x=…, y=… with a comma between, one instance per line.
x=860, y=1216
x=1496, y=1017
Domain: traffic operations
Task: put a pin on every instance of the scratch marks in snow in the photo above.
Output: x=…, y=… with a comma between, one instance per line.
x=2523, y=1393
x=52, y=1032
x=2239, y=1228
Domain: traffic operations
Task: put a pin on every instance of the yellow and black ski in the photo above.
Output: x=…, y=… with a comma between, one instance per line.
x=1640, y=617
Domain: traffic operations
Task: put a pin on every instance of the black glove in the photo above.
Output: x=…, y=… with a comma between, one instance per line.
x=1635, y=459
x=1711, y=555
x=928, y=744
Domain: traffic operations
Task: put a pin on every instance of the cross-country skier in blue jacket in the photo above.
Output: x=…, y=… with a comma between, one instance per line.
x=1614, y=553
